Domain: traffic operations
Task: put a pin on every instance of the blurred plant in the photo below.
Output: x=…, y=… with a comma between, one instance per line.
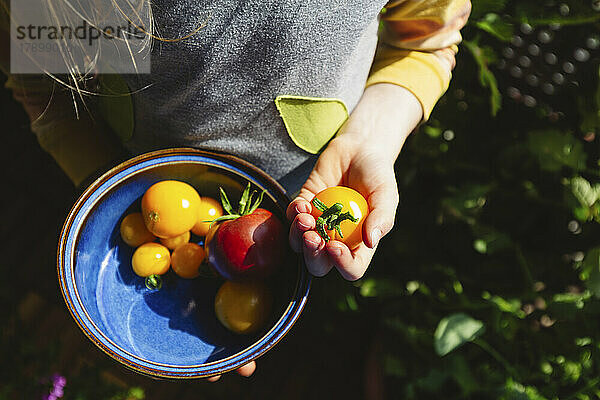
x=489, y=286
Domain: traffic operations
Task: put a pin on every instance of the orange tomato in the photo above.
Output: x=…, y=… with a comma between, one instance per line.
x=134, y=232
x=187, y=259
x=243, y=307
x=352, y=202
x=170, y=208
x=151, y=259
x=209, y=210
x=173, y=243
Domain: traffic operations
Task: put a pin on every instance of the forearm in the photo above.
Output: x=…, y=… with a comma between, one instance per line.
x=384, y=117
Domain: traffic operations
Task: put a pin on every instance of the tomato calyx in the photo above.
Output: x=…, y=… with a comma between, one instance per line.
x=153, y=282
x=248, y=203
x=330, y=218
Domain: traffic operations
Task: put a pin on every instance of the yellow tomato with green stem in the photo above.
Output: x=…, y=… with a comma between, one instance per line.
x=149, y=261
x=339, y=212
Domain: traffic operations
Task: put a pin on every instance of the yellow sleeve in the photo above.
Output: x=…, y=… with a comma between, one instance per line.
x=418, y=45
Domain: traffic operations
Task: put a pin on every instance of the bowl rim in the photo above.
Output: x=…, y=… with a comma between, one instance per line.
x=66, y=263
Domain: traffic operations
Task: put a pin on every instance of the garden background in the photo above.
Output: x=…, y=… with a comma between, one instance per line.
x=488, y=287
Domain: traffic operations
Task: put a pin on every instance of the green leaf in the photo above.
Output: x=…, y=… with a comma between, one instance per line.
x=432, y=131
x=136, y=393
x=567, y=306
x=466, y=201
x=483, y=57
x=516, y=391
x=489, y=240
x=482, y=7
x=454, y=331
x=225, y=202
x=591, y=265
x=257, y=202
x=511, y=306
x=480, y=246
x=584, y=192
x=244, y=200
x=555, y=150
x=380, y=287
x=496, y=26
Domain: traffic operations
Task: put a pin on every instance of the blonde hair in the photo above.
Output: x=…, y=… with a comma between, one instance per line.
x=135, y=13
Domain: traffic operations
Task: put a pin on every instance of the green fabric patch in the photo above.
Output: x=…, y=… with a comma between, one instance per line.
x=115, y=105
x=311, y=121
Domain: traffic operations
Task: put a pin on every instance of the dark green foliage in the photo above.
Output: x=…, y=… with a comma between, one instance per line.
x=489, y=285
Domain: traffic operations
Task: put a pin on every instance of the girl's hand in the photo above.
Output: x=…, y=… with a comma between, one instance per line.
x=244, y=370
x=362, y=157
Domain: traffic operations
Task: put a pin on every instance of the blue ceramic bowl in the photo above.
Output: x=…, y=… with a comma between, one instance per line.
x=171, y=333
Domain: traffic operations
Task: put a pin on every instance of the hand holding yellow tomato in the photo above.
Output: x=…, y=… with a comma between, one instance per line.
x=357, y=164
x=346, y=219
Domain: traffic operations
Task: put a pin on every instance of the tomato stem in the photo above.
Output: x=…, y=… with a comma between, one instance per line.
x=247, y=204
x=153, y=282
x=331, y=218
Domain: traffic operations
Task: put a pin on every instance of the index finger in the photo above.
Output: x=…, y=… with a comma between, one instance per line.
x=297, y=206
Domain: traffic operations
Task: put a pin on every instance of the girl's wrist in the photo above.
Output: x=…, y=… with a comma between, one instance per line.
x=382, y=120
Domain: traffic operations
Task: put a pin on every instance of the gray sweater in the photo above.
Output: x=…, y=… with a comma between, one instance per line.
x=216, y=90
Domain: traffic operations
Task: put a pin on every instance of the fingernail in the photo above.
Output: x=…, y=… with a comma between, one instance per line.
x=335, y=251
x=376, y=235
x=301, y=208
x=302, y=226
x=312, y=246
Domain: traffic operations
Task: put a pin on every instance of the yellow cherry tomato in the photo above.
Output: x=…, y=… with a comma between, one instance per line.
x=173, y=243
x=134, y=232
x=243, y=307
x=151, y=259
x=209, y=210
x=170, y=208
x=186, y=260
x=352, y=202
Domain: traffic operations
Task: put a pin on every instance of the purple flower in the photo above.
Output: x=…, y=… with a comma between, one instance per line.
x=58, y=384
x=60, y=381
x=57, y=391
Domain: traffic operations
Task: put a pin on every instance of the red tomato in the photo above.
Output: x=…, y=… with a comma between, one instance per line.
x=251, y=246
x=249, y=243
x=341, y=203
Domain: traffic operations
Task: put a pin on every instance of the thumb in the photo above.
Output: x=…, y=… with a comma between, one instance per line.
x=383, y=203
